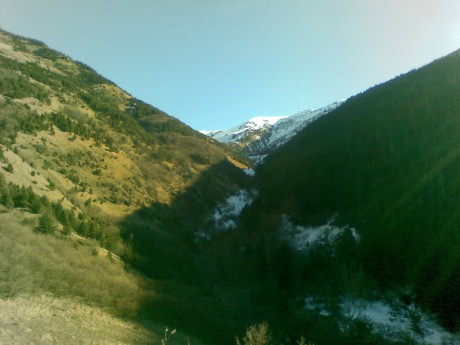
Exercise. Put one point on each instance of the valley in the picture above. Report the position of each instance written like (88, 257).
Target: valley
(332, 226)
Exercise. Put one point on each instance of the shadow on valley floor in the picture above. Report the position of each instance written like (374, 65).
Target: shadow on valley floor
(163, 246)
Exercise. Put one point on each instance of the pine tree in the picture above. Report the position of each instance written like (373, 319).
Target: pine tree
(46, 223)
(8, 200)
(36, 204)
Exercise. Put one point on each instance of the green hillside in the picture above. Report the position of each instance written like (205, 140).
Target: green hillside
(387, 163)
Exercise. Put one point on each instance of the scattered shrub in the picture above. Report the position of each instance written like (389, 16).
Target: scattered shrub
(256, 335)
(9, 168)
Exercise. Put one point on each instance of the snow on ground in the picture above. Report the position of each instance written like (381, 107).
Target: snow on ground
(286, 128)
(257, 159)
(249, 172)
(226, 214)
(266, 133)
(311, 303)
(210, 133)
(261, 121)
(282, 128)
(394, 321)
(398, 321)
(303, 238)
(237, 133)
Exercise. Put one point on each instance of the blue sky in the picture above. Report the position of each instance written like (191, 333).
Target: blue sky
(214, 64)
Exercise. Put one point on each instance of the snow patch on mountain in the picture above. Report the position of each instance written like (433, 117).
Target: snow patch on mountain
(226, 214)
(238, 133)
(394, 320)
(397, 322)
(261, 135)
(210, 133)
(249, 172)
(312, 303)
(303, 238)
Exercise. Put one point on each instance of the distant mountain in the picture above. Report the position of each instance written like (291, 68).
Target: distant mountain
(260, 135)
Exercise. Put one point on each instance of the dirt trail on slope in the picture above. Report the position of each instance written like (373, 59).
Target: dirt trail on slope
(45, 320)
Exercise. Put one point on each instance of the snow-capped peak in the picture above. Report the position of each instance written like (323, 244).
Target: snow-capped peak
(247, 128)
(261, 121)
(260, 135)
(210, 133)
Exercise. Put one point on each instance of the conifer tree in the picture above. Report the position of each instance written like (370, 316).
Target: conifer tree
(7, 200)
(46, 223)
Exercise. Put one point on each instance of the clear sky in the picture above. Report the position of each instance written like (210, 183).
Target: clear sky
(216, 63)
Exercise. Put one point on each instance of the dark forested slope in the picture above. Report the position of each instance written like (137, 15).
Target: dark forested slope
(387, 162)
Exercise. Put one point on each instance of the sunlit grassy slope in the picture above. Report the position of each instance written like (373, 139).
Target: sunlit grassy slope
(74, 137)
(82, 166)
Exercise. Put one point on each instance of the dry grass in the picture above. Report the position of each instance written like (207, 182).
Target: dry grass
(22, 176)
(41, 108)
(115, 167)
(6, 49)
(47, 320)
(32, 263)
(64, 291)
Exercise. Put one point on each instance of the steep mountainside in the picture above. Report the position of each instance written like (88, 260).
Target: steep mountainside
(386, 163)
(93, 177)
(75, 137)
(259, 136)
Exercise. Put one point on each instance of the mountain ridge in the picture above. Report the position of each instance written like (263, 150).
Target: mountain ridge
(259, 136)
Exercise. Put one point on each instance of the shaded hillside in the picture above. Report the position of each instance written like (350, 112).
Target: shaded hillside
(165, 236)
(187, 285)
(387, 162)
